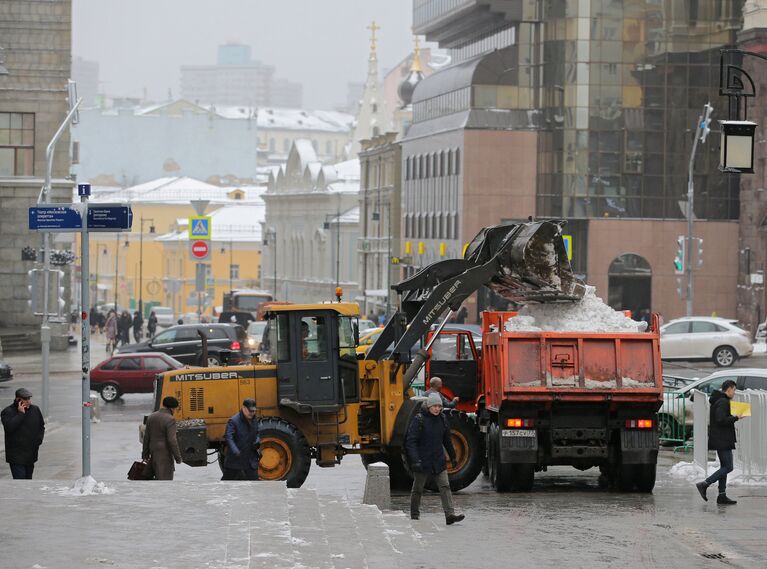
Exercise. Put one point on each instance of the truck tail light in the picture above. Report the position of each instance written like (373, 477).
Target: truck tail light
(639, 423)
(520, 423)
(235, 345)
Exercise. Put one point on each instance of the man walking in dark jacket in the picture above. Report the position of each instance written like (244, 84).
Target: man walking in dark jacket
(243, 443)
(721, 438)
(160, 446)
(24, 430)
(427, 439)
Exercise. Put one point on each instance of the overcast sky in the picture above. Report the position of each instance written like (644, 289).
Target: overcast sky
(321, 43)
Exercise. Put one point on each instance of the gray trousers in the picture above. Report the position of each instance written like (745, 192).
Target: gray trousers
(419, 481)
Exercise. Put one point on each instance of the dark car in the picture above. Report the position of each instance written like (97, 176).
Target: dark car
(227, 344)
(6, 372)
(130, 373)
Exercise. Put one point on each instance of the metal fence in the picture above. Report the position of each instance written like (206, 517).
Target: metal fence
(673, 418)
(751, 455)
(751, 452)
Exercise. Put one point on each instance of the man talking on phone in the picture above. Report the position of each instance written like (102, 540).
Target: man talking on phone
(24, 430)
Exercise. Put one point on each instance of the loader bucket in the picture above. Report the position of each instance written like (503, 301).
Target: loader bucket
(532, 262)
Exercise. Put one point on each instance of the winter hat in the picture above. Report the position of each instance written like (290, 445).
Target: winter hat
(23, 393)
(433, 399)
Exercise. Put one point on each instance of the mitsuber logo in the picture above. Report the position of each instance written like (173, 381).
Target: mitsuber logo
(205, 375)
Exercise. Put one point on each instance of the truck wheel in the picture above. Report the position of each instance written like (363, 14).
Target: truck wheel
(500, 474)
(469, 450)
(625, 478)
(522, 477)
(399, 476)
(284, 452)
(644, 476)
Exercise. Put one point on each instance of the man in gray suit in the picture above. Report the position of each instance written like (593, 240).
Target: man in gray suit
(160, 444)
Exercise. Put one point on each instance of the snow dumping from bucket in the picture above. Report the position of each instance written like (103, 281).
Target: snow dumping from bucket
(590, 314)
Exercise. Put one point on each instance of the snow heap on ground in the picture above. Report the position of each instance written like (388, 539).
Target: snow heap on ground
(590, 314)
(691, 472)
(86, 486)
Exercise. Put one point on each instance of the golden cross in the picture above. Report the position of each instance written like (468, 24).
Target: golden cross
(373, 27)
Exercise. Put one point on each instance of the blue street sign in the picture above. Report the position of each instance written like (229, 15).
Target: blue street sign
(83, 189)
(109, 217)
(62, 218)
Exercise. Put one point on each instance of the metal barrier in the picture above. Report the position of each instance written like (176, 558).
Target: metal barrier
(700, 430)
(751, 454)
(673, 419)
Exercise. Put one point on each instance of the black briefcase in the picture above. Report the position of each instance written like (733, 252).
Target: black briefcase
(137, 470)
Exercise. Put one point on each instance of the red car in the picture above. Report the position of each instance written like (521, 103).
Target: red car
(130, 373)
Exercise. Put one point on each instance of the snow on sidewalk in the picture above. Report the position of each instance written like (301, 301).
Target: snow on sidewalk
(691, 472)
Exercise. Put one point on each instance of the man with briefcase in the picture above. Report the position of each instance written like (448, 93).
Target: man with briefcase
(160, 443)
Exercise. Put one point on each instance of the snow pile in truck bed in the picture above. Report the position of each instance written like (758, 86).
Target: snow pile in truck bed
(590, 314)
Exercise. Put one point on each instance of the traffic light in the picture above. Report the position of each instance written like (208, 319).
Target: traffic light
(699, 252)
(680, 287)
(704, 125)
(679, 260)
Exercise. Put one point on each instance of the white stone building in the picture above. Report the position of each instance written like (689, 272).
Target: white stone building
(311, 228)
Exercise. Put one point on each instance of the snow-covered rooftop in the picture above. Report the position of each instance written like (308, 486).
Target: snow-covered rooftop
(175, 190)
(238, 223)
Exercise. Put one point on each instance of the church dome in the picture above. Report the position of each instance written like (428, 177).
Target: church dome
(406, 88)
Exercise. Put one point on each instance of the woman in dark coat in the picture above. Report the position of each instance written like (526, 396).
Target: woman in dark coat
(721, 438)
(124, 326)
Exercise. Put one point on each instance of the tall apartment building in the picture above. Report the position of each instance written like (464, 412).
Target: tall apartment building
(580, 110)
(237, 79)
(35, 54)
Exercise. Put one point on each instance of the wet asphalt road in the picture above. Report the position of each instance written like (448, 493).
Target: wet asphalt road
(567, 521)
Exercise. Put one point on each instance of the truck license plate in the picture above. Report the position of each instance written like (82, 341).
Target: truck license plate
(518, 432)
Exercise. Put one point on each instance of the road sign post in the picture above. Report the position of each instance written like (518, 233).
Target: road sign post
(84, 191)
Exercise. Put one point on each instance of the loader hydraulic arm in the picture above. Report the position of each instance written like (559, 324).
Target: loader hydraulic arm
(523, 262)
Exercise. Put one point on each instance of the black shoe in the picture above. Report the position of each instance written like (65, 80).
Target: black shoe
(454, 518)
(723, 499)
(702, 487)
(415, 516)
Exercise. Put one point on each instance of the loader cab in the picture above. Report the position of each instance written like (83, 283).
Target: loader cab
(314, 350)
(455, 358)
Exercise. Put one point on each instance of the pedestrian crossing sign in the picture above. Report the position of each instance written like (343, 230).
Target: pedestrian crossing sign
(199, 227)
(568, 239)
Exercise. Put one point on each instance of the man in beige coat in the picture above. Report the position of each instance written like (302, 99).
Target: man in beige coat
(160, 444)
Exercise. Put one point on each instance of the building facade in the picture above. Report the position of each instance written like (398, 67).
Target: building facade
(311, 228)
(35, 56)
(579, 110)
(380, 222)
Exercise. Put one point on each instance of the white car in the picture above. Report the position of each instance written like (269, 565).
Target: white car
(703, 338)
(366, 325)
(165, 317)
(676, 412)
(256, 334)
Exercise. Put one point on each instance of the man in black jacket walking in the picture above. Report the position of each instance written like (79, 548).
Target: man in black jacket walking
(721, 438)
(427, 439)
(243, 444)
(24, 430)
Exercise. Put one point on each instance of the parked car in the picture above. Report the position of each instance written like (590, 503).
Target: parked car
(226, 343)
(676, 382)
(6, 371)
(676, 412)
(256, 334)
(130, 373)
(703, 338)
(165, 316)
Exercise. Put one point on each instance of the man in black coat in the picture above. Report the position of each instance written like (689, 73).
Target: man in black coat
(24, 430)
(243, 443)
(721, 438)
(428, 436)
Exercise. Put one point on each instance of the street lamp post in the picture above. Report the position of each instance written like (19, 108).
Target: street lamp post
(141, 263)
(231, 263)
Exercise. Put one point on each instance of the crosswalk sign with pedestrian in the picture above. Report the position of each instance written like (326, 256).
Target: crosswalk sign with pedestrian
(199, 227)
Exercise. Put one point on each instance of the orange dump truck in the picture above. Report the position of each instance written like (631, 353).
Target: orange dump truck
(559, 398)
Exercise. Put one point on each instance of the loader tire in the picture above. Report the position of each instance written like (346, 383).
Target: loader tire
(399, 476)
(284, 452)
(469, 450)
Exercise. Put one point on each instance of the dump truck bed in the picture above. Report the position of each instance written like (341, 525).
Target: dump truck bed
(569, 366)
